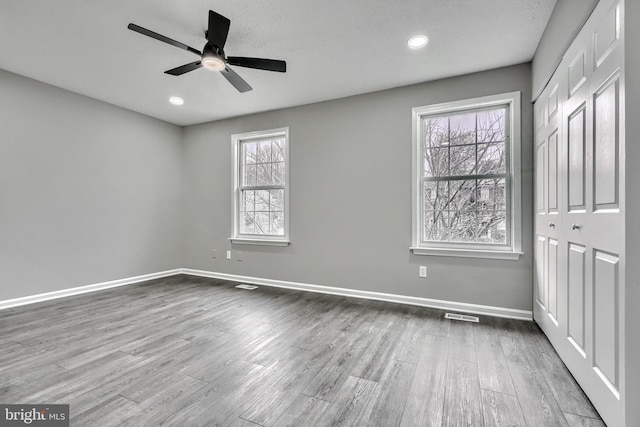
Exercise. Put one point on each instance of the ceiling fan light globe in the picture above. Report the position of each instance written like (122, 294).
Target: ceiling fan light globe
(213, 62)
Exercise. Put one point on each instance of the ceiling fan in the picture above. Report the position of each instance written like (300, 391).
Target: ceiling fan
(212, 56)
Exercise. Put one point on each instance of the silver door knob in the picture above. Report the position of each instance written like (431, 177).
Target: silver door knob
(575, 226)
(552, 225)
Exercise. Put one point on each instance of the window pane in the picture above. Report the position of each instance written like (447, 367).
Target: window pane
(276, 200)
(247, 223)
(278, 170)
(492, 227)
(249, 152)
(262, 200)
(262, 223)
(277, 223)
(248, 200)
(491, 158)
(462, 160)
(463, 226)
(264, 174)
(264, 152)
(491, 194)
(462, 128)
(249, 175)
(462, 195)
(436, 225)
(277, 150)
(436, 132)
(436, 162)
(436, 195)
(491, 125)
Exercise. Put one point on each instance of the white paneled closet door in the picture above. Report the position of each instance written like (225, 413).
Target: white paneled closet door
(579, 178)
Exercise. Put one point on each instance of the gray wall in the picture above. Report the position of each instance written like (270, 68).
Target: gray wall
(632, 199)
(351, 197)
(88, 192)
(565, 23)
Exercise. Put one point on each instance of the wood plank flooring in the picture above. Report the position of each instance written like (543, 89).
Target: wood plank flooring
(188, 351)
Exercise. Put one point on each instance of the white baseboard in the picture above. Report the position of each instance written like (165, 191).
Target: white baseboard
(32, 299)
(379, 296)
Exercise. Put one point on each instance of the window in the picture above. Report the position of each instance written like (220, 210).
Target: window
(466, 178)
(261, 187)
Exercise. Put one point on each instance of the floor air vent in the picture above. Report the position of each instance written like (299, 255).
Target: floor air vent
(462, 317)
(248, 287)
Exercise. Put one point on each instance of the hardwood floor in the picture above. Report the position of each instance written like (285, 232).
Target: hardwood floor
(187, 351)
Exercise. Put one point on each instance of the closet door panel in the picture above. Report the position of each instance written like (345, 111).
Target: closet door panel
(576, 298)
(606, 360)
(605, 147)
(576, 160)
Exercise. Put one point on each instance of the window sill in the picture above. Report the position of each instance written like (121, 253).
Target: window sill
(468, 253)
(259, 242)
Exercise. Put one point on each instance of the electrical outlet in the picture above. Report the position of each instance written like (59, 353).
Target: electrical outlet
(228, 254)
(422, 271)
(214, 253)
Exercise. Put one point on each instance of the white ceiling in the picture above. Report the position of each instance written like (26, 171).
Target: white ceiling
(333, 48)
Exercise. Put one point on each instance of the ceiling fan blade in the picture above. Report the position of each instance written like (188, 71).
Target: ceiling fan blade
(218, 29)
(184, 68)
(258, 63)
(237, 81)
(154, 35)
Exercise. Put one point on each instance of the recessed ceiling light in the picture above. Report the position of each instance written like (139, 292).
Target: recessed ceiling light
(176, 100)
(417, 42)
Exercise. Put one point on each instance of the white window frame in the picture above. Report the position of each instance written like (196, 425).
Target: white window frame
(514, 172)
(254, 239)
